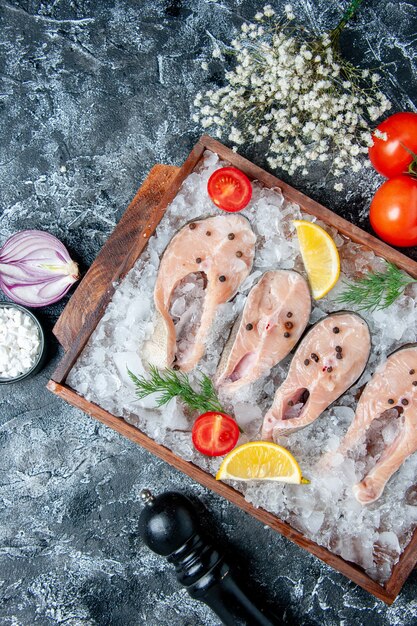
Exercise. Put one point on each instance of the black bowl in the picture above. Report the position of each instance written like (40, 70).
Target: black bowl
(37, 366)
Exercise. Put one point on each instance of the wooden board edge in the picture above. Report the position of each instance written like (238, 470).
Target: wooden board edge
(404, 567)
(350, 570)
(92, 290)
(142, 236)
(86, 321)
(166, 198)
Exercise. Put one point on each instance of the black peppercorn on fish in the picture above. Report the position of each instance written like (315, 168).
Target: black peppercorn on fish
(276, 313)
(202, 247)
(392, 388)
(330, 358)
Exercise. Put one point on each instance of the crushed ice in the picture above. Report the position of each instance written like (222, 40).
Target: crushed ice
(326, 510)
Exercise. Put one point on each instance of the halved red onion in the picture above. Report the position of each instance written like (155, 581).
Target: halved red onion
(35, 268)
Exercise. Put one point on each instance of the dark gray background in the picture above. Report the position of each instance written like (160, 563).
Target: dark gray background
(92, 94)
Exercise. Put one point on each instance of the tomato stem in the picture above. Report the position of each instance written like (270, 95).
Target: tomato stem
(412, 167)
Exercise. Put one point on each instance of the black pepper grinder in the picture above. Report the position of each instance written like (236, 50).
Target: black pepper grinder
(169, 526)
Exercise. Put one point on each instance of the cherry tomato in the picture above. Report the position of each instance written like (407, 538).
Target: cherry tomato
(215, 434)
(390, 158)
(230, 189)
(393, 211)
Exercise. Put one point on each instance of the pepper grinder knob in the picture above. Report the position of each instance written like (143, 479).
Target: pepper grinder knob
(169, 526)
(167, 521)
(146, 496)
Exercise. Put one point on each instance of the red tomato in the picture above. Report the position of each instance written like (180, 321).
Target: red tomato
(393, 211)
(390, 158)
(215, 434)
(230, 189)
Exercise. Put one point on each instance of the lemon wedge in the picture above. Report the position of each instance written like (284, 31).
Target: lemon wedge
(320, 257)
(260, 460)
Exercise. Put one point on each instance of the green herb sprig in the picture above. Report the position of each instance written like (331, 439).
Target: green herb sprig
(377, 290)
(170, 384)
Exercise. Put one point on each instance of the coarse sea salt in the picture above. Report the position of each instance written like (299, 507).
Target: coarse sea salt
(326, 510)
(19, 342)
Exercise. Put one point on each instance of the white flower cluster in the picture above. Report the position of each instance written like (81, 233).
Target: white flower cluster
(297, 94)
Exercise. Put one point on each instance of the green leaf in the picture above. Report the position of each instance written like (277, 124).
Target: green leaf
(170, 384)
(377, 290)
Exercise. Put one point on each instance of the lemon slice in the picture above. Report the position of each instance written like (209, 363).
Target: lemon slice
(260, 460)
(320, 257)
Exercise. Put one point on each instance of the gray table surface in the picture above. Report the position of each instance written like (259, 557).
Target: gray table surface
(93, 93)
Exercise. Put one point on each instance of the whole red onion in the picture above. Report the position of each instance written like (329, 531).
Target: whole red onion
(35, 268)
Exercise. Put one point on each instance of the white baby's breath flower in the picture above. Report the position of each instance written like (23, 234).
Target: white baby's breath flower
(338, 186)
(380, 135)
(374, 113)
(204, 65)
(268, 10)
(288, 8)
(294, 95)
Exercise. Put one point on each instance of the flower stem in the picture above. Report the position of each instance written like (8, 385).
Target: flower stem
(335, 32)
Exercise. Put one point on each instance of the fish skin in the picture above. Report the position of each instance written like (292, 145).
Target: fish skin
(392, 380)
(249, 354)
(218, 254)
(324, 387)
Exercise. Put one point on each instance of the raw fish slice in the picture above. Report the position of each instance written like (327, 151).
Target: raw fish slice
(317, 375)
(221, 249)
(275, 315)
(394, 385)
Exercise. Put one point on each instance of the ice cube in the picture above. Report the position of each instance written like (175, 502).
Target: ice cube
(269, 388)
(137, 310)
(125, 361)
(294, 411)
(343, 414)
(314, 522)
(173, 415)
(178, 307)
(106, 384)
(188, 287)
(250, 281)
(390, 431)
(245, 413)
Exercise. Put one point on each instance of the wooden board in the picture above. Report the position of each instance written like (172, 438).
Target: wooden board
(119, 254)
